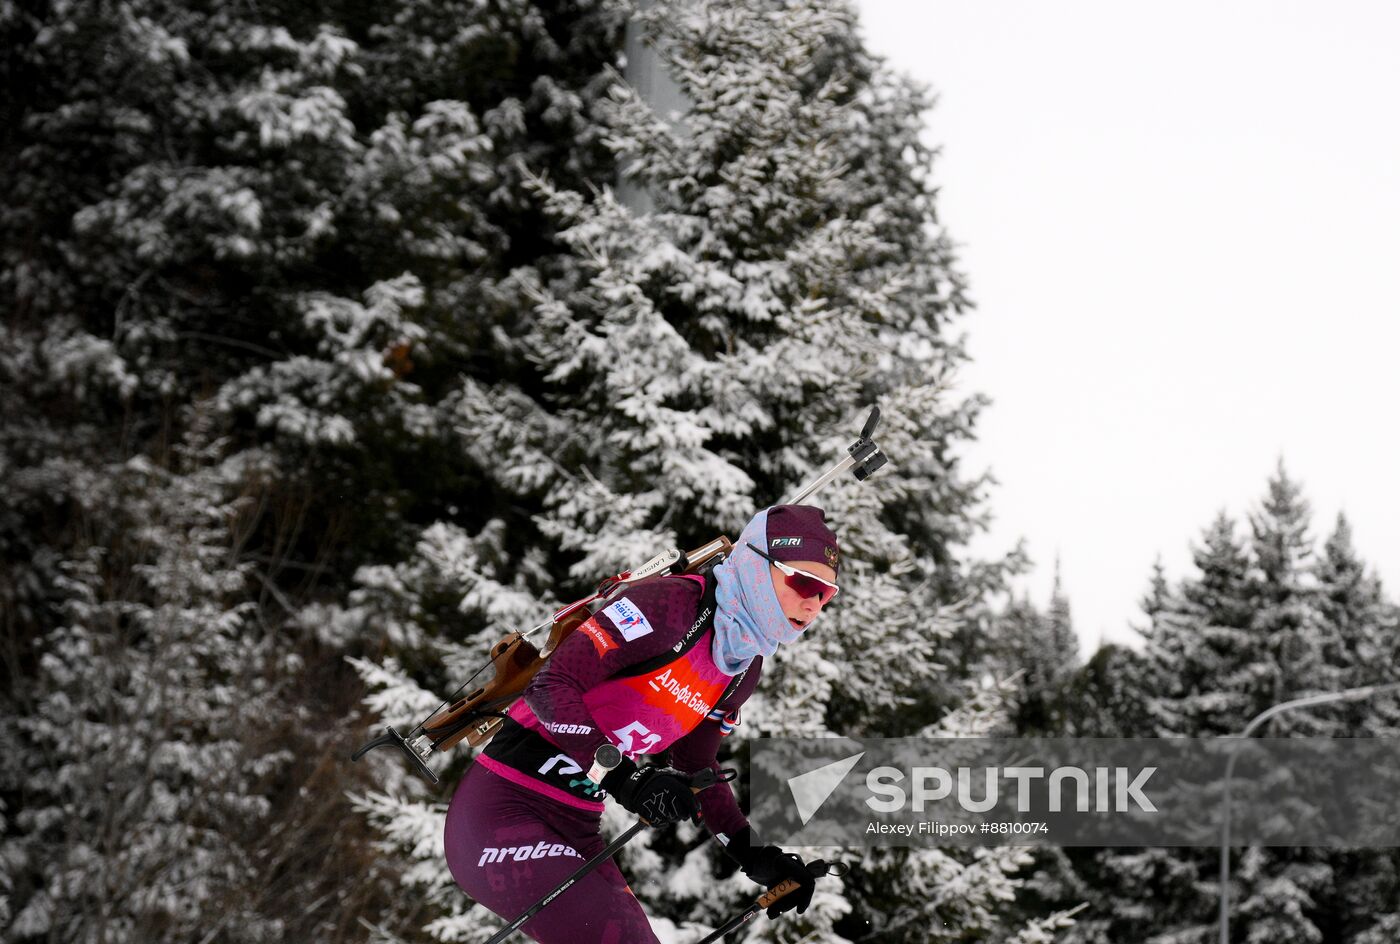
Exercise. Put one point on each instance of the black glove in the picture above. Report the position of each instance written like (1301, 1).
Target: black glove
(656, 794)
(769, 866)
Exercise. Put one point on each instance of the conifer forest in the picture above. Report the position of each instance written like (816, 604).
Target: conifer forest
(340, 339)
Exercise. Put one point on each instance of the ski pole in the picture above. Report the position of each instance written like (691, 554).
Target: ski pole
(700, 781)
(864, 458)
(766, 900)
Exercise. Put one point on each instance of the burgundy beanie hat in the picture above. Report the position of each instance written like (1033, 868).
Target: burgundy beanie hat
(799, 533)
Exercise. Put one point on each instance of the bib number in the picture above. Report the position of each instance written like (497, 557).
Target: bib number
(635, 739)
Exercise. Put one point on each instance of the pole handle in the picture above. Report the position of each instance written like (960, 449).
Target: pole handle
(784, 887)
(819, 868)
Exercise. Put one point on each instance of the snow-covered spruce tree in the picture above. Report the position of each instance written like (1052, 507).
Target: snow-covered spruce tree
(1203, 662)
(1204, 670)
(1040, 651)
(309, 213)
(297, 223)
(1363, 638)
(1289, 618)
(1057, 697)
(699, 359)
(1222, 646)
(142, 793)
(1107, 696)
(1361, 649)
(1196, 635)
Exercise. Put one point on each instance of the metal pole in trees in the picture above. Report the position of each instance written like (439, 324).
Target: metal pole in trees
(1349, 694)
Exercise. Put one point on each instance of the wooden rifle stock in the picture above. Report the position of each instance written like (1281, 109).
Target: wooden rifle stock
(478, 715)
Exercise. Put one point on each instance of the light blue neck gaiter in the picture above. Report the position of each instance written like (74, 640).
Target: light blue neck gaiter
(749, 621)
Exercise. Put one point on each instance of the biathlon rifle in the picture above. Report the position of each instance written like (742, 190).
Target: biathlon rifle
(477, 715)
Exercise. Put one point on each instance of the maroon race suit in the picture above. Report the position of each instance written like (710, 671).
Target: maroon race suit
(639, 673)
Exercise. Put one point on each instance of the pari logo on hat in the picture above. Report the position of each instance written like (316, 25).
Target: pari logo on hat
(800, 533)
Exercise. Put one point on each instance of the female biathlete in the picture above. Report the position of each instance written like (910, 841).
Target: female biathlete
(663, 668)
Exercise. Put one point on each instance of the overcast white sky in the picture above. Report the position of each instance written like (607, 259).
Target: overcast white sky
(1182, 229)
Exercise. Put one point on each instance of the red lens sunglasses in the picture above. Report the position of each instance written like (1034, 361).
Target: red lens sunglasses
(800, 582)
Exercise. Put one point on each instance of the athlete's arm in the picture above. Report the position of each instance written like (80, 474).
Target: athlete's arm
(700, 748)
(594, 652)
(555, 694)
(718, 806)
